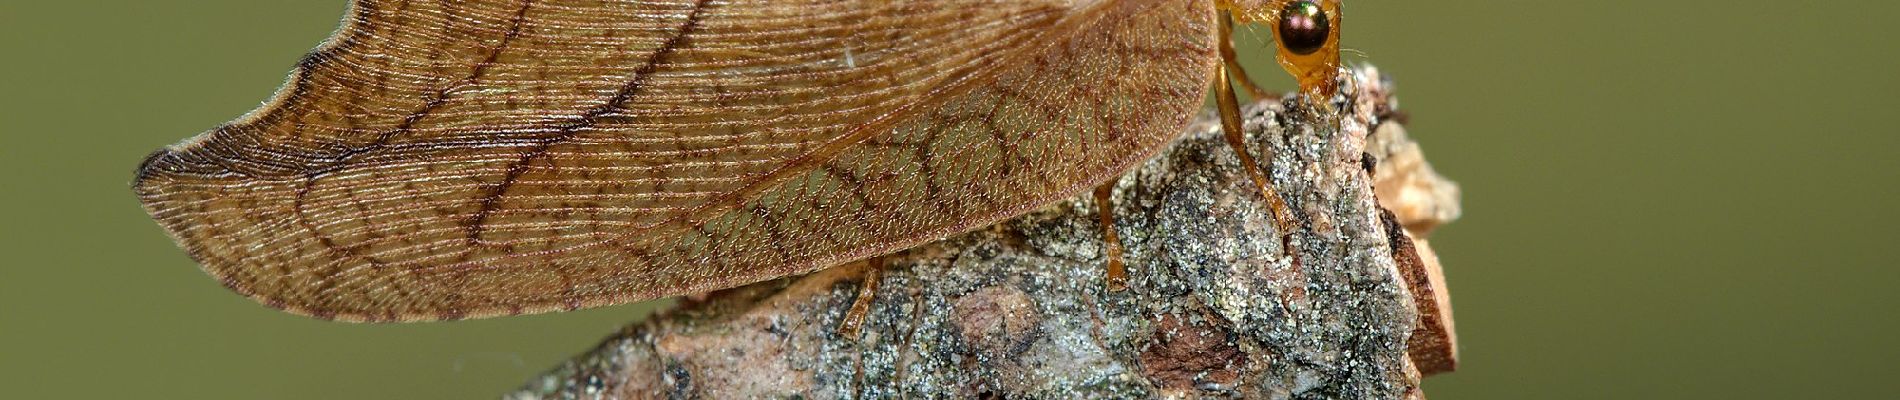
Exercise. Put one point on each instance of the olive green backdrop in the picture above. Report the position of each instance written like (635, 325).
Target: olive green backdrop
(1687, 199)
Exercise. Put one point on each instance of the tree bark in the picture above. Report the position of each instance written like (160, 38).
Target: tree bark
(1216, 304)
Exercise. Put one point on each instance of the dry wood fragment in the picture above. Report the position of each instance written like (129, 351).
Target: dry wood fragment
(1019, 310)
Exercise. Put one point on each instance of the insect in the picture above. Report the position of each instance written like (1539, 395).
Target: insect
(449, 160)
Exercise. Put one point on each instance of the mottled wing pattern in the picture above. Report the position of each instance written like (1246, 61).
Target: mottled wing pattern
(454, 159)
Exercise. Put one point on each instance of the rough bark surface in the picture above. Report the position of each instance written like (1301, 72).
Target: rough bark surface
(1216, 305)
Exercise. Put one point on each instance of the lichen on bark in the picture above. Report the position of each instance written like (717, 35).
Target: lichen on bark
(1216, 306)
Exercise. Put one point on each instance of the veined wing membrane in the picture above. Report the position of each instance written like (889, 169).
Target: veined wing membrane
(442, 160)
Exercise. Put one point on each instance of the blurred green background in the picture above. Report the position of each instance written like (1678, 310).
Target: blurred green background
(1687, 199)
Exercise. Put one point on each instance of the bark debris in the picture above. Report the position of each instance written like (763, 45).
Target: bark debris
(1215, 307)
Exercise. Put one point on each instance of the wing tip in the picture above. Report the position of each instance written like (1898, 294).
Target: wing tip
(149, 180)
(148, 167)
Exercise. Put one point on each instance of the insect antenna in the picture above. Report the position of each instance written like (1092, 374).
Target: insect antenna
(1361, 54)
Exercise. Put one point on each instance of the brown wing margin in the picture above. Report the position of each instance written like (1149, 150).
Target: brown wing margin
(724, 168)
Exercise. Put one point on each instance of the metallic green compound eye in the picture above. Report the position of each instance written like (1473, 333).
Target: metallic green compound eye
(1304, 27)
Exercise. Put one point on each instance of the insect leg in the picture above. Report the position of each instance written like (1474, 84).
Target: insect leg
(1230, 126)
(1112, 243)
(1232, 61)
(867, 292)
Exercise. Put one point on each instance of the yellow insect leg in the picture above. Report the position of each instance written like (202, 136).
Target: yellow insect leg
(1230, 126)
(867, 292)
(1232, 61)
(1117, 273)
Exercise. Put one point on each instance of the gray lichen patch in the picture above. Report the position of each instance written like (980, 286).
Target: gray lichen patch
(1219, 303)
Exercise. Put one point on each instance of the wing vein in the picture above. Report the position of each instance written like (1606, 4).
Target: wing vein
(492, 199)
